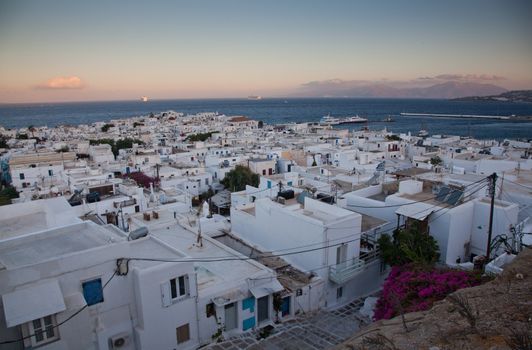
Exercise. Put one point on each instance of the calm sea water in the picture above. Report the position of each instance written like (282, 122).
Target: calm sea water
(292, 110)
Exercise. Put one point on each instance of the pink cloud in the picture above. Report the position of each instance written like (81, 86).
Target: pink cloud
(62, 83)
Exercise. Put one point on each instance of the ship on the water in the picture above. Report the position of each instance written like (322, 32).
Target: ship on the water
(329, 120)
(144, 98)
(353, 120)
(254, 97)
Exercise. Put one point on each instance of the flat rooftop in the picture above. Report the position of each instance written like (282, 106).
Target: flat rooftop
(210, 274)
(290, 277)
(371, 222)
(15, 226)
(36, 248)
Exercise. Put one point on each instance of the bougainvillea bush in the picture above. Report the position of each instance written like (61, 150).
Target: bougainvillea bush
(141, 179)
(411, 288)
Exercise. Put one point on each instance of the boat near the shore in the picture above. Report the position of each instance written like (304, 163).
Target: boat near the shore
(329, 120)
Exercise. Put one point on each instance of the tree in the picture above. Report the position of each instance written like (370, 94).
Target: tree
(7, 194)
(3, 142)
(239, 177)
(393, 137)
(199, 137)
(435, 161)
(118, 145)
(106, 127)
(409, 245)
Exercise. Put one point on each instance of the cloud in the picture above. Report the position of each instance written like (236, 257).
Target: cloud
(62, 83)
(463, 77)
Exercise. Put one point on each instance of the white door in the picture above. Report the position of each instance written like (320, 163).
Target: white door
(230, 316)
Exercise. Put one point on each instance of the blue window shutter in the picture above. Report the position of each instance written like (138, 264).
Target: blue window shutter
(248, 323)
(249, 303)
(93, 292)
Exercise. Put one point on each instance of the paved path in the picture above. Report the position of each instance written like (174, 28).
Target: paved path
(318, 330)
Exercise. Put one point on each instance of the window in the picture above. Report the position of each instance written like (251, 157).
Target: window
(210, 310)
(21, 176)
(264, 172)
(339, 293)
(44, 330)
(93, 291)
(50, 172)
(206, 181)
(182, 333)
(178, 287)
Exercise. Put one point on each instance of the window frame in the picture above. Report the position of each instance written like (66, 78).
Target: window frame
(187, 325)
(43, 330)
(83, 290)
(180, 291)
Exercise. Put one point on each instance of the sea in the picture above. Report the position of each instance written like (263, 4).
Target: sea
(280, 110)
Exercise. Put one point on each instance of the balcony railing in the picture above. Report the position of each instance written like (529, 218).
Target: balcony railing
(346, 271)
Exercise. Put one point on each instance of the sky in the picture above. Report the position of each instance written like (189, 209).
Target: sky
(107, 50)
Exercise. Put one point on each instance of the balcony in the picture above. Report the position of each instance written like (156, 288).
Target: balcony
(346, 271)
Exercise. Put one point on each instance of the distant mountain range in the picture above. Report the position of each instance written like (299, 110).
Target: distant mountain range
(445, 90)
(510, 96)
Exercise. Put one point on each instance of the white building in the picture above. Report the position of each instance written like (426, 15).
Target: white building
(333, 233)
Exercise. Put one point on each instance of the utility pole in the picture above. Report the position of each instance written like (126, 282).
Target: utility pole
(492, 187)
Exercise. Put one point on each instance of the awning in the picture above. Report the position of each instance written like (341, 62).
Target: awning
(228, 298)
(264, 289)
(418, 211)
(33, 302)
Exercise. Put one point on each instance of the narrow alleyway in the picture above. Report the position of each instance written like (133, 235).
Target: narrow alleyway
(318, 330)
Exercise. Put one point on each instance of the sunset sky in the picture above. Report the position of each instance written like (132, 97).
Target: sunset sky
(105, 50)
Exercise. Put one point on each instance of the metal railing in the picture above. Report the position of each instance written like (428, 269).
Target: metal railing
(343, 272)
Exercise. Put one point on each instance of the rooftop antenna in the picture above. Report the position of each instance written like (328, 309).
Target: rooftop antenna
(199, 238)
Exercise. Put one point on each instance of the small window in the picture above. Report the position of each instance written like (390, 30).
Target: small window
(44, 330)
(264, 172)
(210, 310)
(21, 176)
(182, 333)
(93, 291)
(178, 287)
(339, 293)
(206, 181)
(50, 172)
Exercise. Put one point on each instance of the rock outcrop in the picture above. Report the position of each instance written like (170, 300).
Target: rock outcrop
(496, 315)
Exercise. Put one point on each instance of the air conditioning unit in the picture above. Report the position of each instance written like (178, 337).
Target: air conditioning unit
(119, 341)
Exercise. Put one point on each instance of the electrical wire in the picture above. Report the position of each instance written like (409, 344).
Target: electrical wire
(233, 258)
(449, 205)
(518, 184)
(245, 258)
(420, 201)
(387, 231)
(62, 322)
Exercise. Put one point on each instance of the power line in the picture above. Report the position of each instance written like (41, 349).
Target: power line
(235, 258)
(414, 202)
(61, 323)
(449, 205)
(518, 184)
